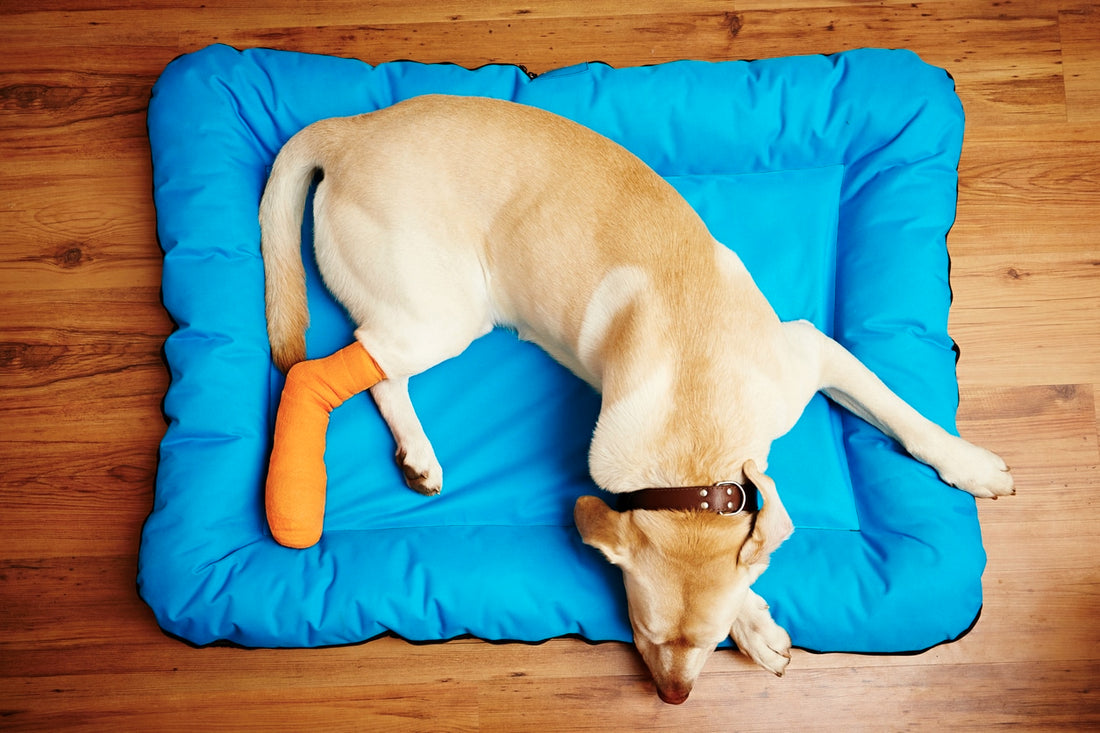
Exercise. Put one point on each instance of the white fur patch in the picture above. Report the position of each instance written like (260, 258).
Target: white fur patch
(622, 443)
(618, 289)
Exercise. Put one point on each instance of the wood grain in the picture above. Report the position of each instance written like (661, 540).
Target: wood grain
(1040, 183)
(82, 377)
(1079, 23)
(1016, 308)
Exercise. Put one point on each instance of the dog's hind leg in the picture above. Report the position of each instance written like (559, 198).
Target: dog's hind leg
(414, 455)
(846, 381)
(404, 345)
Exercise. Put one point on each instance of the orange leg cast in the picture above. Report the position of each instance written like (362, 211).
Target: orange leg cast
(296, 477)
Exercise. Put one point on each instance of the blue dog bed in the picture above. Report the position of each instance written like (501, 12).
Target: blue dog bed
(834, 178)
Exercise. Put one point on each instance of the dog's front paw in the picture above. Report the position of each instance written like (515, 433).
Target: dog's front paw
(976, 471)
(771, 650)
(760, 638)
(423, 477)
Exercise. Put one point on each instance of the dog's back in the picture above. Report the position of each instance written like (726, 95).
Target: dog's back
(473, 199)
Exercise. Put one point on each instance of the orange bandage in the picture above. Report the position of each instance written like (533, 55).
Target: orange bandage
(296, 477)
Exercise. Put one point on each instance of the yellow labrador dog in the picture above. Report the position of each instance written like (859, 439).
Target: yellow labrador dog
(442, 217)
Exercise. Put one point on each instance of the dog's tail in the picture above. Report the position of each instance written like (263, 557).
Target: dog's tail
(281, 211)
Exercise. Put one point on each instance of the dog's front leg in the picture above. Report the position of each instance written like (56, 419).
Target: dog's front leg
(414, 455)
(852, 385)
(759, 637)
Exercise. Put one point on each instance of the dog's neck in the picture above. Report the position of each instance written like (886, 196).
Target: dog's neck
(684, 402)
(671, 418)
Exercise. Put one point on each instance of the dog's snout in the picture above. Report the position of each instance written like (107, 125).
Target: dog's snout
(675, 695)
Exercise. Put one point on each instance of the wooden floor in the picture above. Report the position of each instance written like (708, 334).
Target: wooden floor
(82, 376)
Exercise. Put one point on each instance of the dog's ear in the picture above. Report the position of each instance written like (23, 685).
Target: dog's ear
(773, 524)
(602, 527)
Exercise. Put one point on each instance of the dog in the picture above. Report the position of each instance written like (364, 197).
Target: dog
(440, 218)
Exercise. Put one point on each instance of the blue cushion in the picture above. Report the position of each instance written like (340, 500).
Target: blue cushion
(834, 178)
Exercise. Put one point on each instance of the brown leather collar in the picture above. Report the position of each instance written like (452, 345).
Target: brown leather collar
(724, 497)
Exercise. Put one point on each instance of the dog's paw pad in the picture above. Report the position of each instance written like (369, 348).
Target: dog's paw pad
(423, 483)
(426, 481)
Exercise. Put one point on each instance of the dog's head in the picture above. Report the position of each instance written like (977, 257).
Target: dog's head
(687, 575)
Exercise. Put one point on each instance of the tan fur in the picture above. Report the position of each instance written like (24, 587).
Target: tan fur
(441, 217)
(281, 221)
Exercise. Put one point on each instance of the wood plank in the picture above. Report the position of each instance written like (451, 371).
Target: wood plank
(117, 133)
(1047, 435)
(978, 696)
(1020, 605)
(1079, 24)
(93, 495)
(540, 44)
(169, 703)
(97, 409)
(55, 97)
(49, 338)
(1023, 82)
(971, 696)
(53, 261)
(59, 235)
(89, 15)
(131, 643)
(1049, 189)
(1027, 319)
(525, 690)
(1025, 134)
(956, 35)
